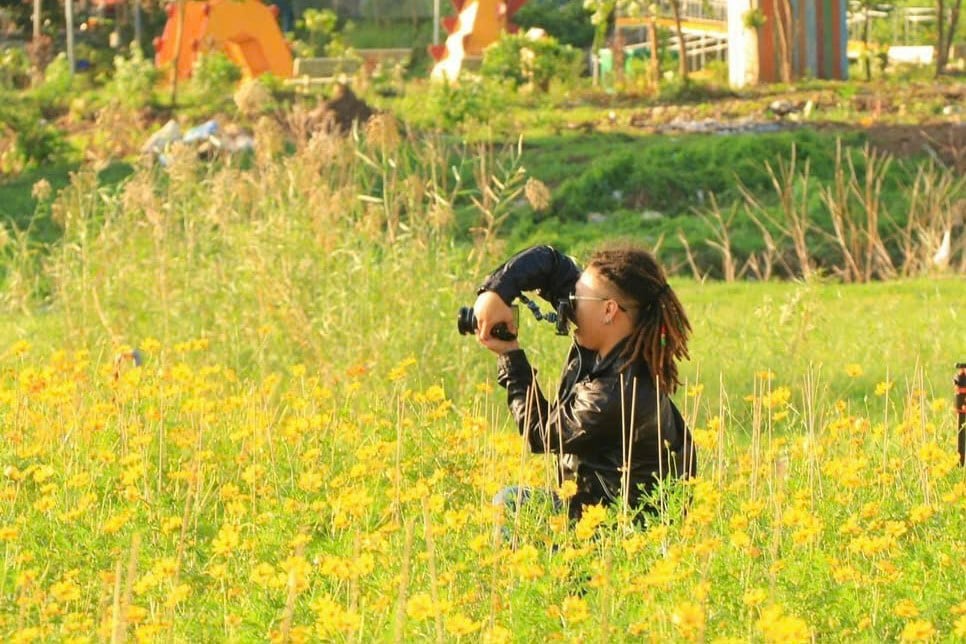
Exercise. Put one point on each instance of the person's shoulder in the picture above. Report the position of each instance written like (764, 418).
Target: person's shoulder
(639, 373)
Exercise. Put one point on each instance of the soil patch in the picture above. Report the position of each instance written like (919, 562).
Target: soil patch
(945, 141)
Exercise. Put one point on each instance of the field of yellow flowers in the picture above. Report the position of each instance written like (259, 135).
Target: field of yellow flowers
(234, 407)
(177, 501)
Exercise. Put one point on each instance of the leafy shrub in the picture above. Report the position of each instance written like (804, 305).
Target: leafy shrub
(473, 98)
(35, 141)
(214, 75)
(673, 176)
(566, 20)
(134, 78)
(537, 62)
(55, 91)
(14, 68)
(317, 34)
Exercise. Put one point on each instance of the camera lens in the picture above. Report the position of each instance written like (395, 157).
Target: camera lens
(466, 321)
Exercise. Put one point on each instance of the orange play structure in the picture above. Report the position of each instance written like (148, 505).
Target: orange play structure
(246, 31)
(477, 24)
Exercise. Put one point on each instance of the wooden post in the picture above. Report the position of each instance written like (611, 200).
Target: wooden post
(137, 22)
(655, 53)
(178, 41)
(36, 20)
(69, 26)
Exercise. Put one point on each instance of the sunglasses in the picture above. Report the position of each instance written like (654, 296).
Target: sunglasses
(573, 297)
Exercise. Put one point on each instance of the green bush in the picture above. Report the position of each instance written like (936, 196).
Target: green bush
(675, 175)
(14, 68)
(566, 20)
(522, 61)
(35, 140)
(472, 99)
(214, 75)
(55, 91)
(317, 33)
(134, 78)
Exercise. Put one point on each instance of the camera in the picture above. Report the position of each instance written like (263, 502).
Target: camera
(466, 324)
(561, 319)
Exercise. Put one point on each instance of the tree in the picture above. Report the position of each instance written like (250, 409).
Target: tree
(784, 31)
(945, 33)
(566, 20)
(682, 47)
(604, 10)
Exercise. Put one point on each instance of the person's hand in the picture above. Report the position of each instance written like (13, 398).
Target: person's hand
(490, 310)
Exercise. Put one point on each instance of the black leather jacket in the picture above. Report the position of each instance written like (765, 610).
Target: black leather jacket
(602, 412)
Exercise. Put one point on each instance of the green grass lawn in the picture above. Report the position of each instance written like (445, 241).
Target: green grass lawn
(18, 205)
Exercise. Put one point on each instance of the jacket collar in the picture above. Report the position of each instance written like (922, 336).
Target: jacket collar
(613, 360)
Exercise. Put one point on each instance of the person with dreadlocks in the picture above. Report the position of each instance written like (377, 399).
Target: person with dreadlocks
(614, 428)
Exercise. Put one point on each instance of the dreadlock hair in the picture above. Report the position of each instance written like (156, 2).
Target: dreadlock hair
(661, 328)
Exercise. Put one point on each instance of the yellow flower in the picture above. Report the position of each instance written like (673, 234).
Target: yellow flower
(177, 595)
(905, 608)
(883, 388)
(919, 630)
(777, 397)
(776, 626)
(170, 524)
(920, 513)
(592, 517)
(689, 620)
(227, 540)
(460, 625)
(574, 609)
(567, 490)
(705, 438)
(497, 635)
(434, 394)
(639, 628)
(332, 618)
(959, 627)
(853, 370)
(399, 371)
(420, 607)
(265, 576)
(65, 591)
(19, 348)
(755, 596)
(297, 569)
(523, 562)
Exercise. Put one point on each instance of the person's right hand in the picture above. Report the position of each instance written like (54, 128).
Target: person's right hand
(490, 310)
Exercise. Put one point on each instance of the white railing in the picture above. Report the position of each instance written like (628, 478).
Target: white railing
(696, 9)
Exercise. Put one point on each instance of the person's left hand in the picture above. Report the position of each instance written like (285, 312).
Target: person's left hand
(498, 347)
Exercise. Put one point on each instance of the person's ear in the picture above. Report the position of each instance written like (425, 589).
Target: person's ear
(609, 312)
